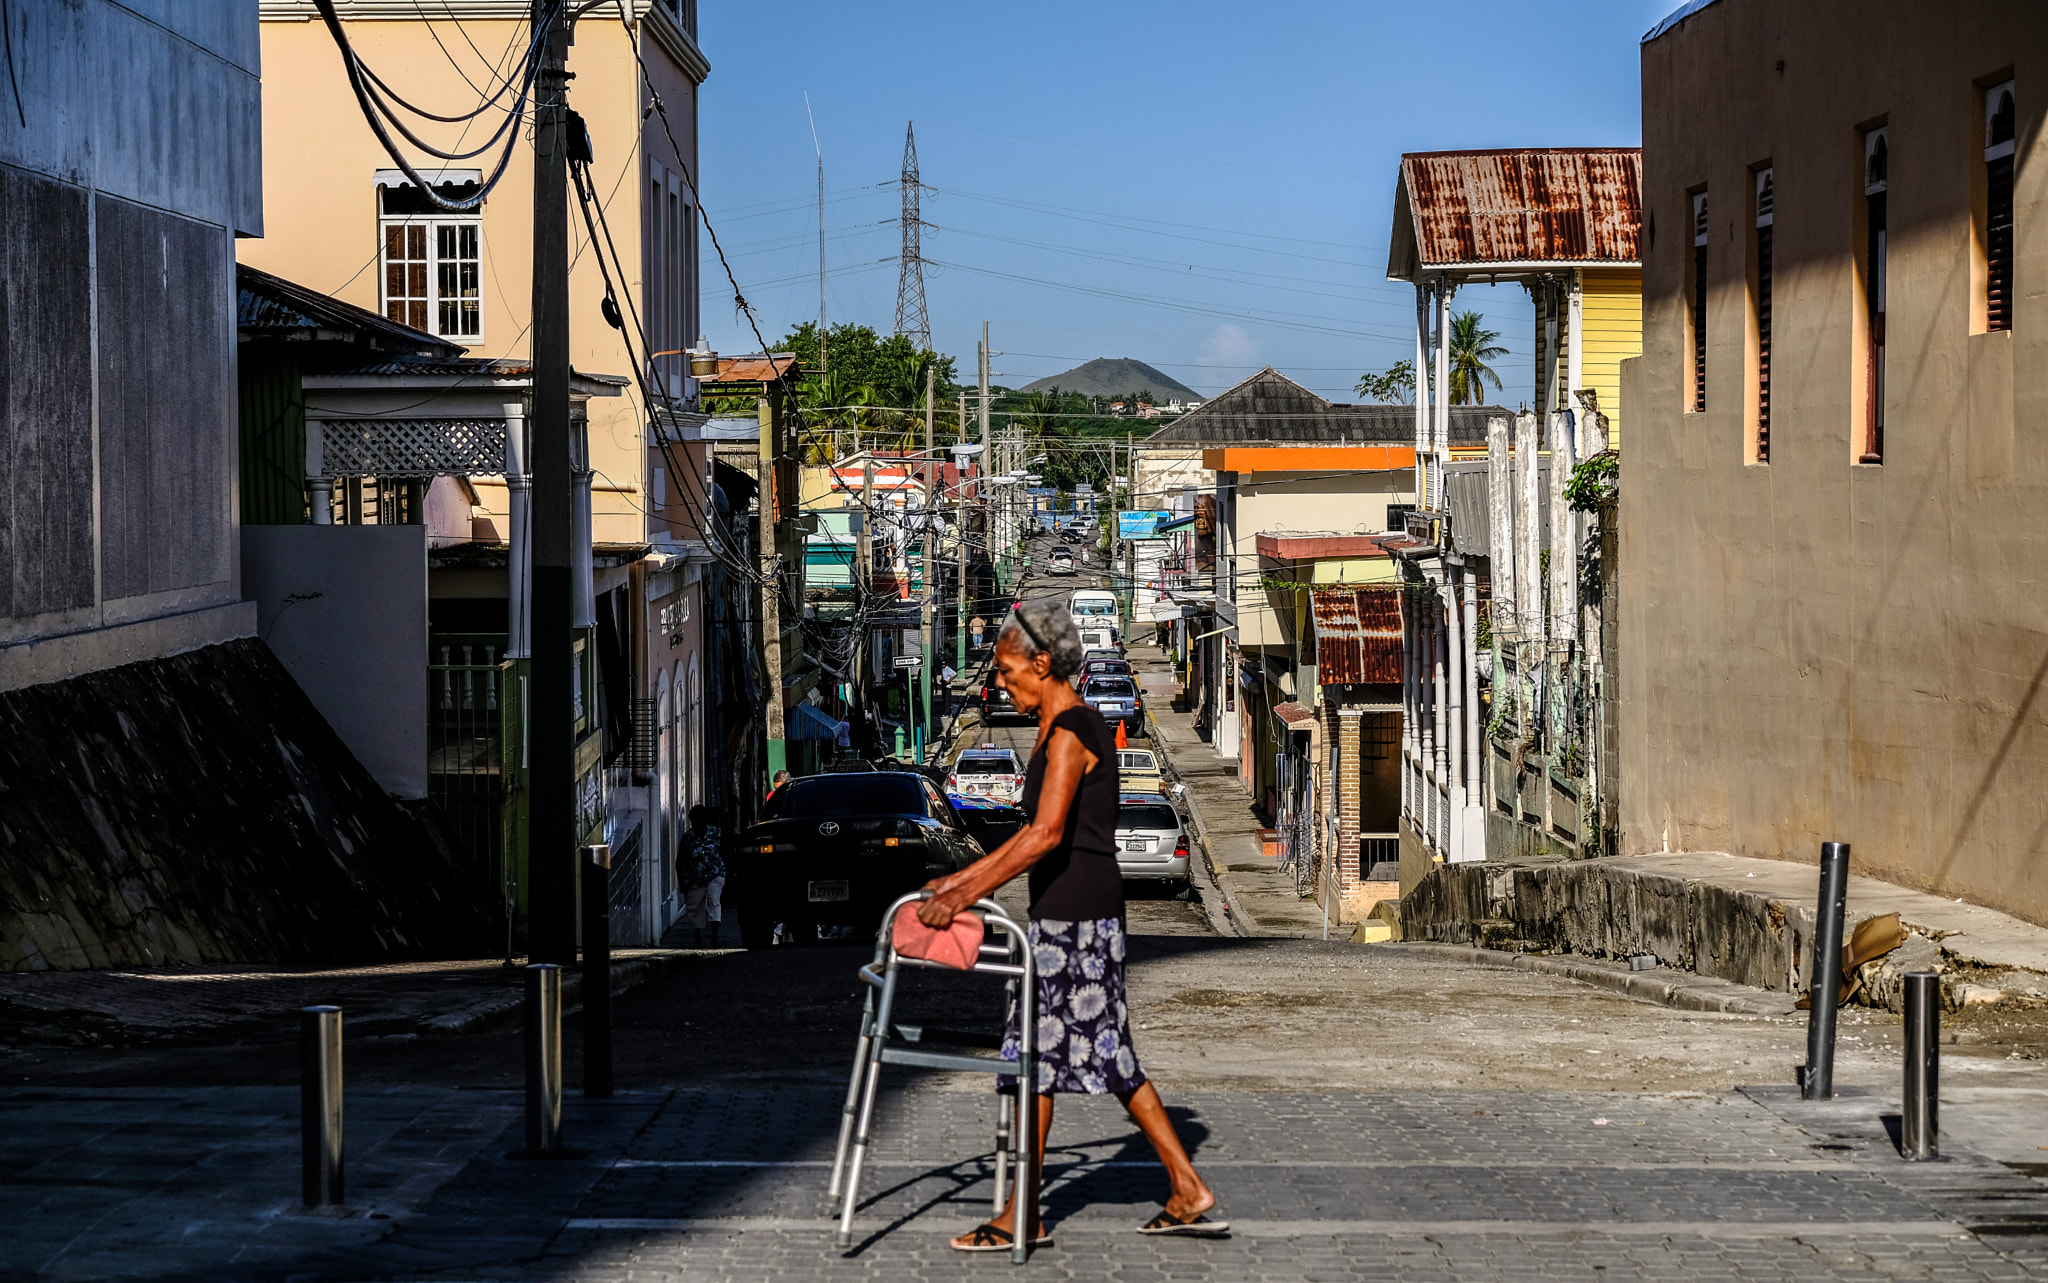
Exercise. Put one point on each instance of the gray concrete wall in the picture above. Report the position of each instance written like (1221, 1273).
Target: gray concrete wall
(119, 204)
(345, 609)
(1815, 648)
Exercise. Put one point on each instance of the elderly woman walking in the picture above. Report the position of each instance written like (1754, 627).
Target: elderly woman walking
(1077, 919)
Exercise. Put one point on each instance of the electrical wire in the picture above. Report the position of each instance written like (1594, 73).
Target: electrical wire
(374, 115)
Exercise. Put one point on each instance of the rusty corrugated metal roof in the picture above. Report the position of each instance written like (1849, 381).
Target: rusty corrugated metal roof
(1518, 207)
(1358, 635)
(755, 368)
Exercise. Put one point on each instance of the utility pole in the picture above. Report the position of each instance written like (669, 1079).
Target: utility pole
(866, 577)
(769, 534)
(1130, 557)
(929, 598)
(960, 549)
(551, 727)
(988, 458)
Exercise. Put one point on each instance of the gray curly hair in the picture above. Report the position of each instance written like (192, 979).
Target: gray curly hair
(1044, 626)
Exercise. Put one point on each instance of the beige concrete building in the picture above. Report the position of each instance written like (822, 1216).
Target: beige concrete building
(341, 219)
(1832, 540)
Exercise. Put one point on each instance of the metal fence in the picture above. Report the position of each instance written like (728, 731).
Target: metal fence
(465, 746)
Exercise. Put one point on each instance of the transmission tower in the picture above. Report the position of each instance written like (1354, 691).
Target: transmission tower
(912, 322)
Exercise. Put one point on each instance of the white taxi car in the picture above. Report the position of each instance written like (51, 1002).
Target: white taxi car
(987, 771)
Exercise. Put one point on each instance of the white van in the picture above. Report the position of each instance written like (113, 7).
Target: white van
(1091, 606)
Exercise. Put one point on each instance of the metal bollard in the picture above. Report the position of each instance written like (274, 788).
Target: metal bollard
(1817, 1081)
(320, 1106)
(597, 971)
(543, 1059)
(1920, 1121)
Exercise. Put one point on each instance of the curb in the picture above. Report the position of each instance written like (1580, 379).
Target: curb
(500, 1012)
(1239, 918)
(1694, 993)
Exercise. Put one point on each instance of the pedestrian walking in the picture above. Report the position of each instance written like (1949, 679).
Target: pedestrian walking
(701, 870)
(1077, 923)
(976, 625)
(781, 778)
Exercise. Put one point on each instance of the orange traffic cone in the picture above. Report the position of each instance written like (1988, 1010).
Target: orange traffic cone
(1122, 740)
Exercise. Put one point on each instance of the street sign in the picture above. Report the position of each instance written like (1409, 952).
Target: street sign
(910, 661)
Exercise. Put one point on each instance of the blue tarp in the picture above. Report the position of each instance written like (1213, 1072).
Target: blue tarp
(807, 723)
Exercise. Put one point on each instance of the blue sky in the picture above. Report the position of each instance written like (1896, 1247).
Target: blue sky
(1206, 187)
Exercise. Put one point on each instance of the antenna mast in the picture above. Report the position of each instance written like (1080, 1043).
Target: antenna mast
(823, 355)
(912, 321)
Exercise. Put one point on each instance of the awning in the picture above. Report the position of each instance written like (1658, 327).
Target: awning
(1294, 715)
(1358, 635)
(807, 723)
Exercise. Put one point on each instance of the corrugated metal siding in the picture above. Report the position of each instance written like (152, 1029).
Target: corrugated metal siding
(272, 414)
(1465, 494)
(1573, 205)
(1358, 635)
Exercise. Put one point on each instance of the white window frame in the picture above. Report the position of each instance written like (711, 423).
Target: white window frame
(432, 228)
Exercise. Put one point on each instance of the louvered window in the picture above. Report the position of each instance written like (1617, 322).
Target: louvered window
(1998, 159)
(1765, 198)
(1699, 302)
(1876, 186)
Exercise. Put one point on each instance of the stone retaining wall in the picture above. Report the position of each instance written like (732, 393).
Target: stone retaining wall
(1611, 909)
(198, 809)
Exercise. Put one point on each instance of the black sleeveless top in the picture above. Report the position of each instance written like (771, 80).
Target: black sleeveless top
(1078, 880)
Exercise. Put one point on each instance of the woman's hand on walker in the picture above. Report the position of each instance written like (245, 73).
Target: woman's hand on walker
(947, 901)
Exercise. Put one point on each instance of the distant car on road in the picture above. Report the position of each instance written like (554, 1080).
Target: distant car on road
(987, 771)
(1116, 698)
(1108, 667)
(1138, 771)
(1151, 841)
(1062, 562)
(835, 850)
(991, 822)
(995, 701)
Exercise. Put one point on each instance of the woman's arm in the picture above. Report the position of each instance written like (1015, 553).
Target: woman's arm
(1066, 761)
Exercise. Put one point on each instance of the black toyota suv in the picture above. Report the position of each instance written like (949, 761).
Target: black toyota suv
(834, 850)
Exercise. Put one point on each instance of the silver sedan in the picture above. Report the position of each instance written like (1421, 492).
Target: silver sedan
(1151, 842)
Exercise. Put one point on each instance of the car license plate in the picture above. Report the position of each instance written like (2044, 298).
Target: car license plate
(1137, 844)
(829, 891)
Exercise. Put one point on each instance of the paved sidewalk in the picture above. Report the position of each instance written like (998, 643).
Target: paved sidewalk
(1260, 897)
(175, 1006)
(727, 1183)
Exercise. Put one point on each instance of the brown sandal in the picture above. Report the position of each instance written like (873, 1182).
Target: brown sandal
(1197, 1226)
(990, 1237)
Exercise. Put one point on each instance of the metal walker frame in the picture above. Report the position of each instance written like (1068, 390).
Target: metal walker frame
(1016, 1121)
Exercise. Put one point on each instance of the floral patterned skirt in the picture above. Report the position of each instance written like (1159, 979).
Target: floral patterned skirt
(1084, 1026)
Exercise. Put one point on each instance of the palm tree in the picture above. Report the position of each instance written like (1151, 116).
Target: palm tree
(1471, 349)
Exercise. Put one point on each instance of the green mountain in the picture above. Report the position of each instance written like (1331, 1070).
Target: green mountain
(1116, 376)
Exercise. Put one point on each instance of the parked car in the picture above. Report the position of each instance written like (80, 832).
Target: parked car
(1100, 638)
(1116, 698)
(1138, 771)
(987, 771)
(835, 850)
(1062, 562)
(989, 821)
(1151, 841)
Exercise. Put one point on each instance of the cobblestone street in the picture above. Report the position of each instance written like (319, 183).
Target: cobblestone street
(1360, 1113)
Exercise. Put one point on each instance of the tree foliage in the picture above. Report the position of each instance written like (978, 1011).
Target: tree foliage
(1472, 346)
(1396, 386)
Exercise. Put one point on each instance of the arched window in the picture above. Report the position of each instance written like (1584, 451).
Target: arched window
(694, 733)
